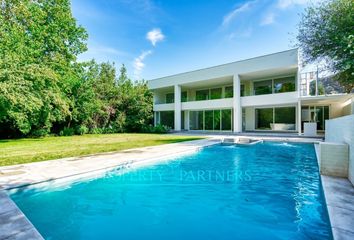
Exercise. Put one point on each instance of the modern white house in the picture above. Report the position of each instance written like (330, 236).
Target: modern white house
(266, 93)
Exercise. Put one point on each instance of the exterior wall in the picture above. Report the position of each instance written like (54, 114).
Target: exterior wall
(283, 60)
(341, 130)
(348, 107)
(164, 107)
(270, 99)
(335, 110)
(208, 104)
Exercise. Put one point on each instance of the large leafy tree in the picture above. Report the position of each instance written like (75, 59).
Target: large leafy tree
(326, 33)
(39, 42)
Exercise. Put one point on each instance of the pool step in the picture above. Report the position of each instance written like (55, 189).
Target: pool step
(240, 141)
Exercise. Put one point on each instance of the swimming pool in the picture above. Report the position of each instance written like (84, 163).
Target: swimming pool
(270, 190)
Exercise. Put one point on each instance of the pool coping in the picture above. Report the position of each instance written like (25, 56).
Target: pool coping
(339, 199)
(14, 223)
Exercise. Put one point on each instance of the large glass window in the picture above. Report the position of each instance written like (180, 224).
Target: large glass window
(277, 119)
(226, 119)
(317, 114)
(170, 98)
(215, 93)
(167, 118)
(262, 87)
(242, 90)
(217, 120)
(208, 120)
(184, 97)
(284, 119)
(229, 92)
(286, 84)
(196, 120)
(264, 117)
(285, 115)
(202, 95)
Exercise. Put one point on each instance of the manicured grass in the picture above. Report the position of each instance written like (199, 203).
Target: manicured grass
(33, 150)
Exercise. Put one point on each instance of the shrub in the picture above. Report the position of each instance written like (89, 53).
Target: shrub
(156, 129)
(67, 132)
(81, 130)
(39, 133)
(96, 131)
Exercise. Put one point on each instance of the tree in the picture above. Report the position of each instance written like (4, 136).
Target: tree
(39, 42)
(326, 33)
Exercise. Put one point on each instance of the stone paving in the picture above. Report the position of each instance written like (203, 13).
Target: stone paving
(339, 194)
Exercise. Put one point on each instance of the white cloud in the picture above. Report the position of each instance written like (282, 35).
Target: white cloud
(139, 63)
(154, 36)
(283, 4)
(231, 15)
(268, 19)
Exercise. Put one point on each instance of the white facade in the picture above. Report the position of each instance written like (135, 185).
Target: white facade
(264, 93)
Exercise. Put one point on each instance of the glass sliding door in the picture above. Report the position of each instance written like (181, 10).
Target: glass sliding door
(196, 120)
(217, 120)
(317, 114)
(167, 118)
(211, 120)
(276, 119)
(284, 119)
(264, 117)
(208, 120)
(226, 120)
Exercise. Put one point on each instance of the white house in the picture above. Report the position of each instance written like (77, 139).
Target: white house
(266, 93)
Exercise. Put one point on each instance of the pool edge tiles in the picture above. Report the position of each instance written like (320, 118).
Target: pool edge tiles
(339, 199)
(13, 223)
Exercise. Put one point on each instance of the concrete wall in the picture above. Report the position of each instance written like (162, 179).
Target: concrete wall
(341, 130)
(277, 61)
(270, 99)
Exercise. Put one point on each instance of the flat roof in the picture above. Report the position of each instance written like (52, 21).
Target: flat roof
(243, 60)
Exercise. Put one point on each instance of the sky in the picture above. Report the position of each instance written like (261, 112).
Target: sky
(156, 38)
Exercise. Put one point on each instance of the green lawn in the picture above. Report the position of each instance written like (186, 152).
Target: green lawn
(33, 150)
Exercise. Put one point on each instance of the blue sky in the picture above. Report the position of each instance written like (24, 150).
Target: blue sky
(155, 38)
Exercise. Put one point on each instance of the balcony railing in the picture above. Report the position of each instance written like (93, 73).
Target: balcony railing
(312, 84)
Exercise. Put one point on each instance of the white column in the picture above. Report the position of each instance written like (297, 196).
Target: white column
(177, 108)
(237, 118)
(299, 117)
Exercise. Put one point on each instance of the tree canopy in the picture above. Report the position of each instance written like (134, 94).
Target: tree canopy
(43, 89)
(326, 33)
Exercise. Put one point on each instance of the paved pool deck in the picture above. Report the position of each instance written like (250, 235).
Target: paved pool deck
(339, 193)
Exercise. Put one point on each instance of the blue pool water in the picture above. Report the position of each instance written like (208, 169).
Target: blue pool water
(265, 191)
